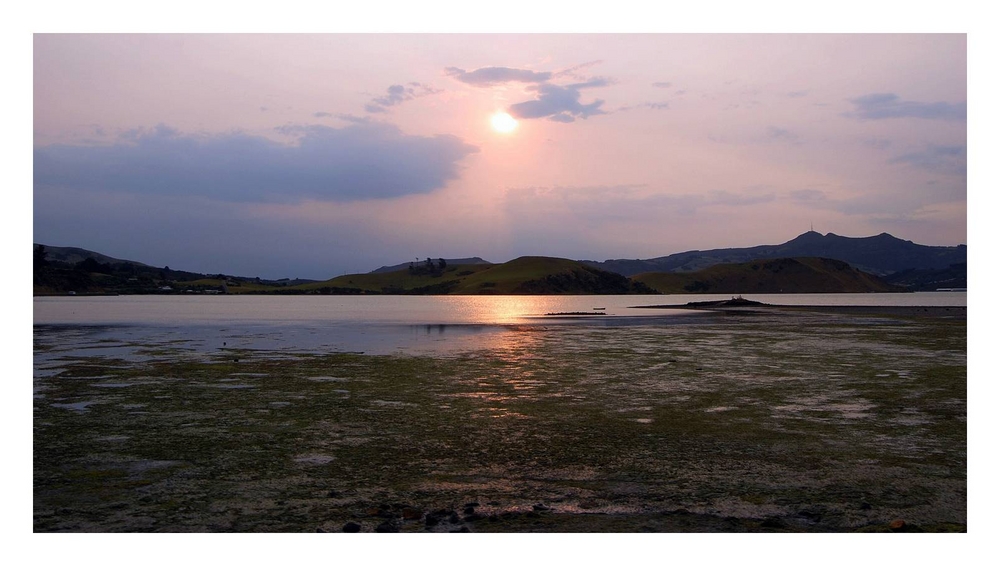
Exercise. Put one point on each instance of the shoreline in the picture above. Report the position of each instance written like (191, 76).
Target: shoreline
(876, 310)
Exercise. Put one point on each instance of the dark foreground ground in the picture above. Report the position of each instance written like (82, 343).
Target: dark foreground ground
(790, 420)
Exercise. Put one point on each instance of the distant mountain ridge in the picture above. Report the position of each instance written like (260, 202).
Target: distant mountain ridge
(779, 275)
(880, 255)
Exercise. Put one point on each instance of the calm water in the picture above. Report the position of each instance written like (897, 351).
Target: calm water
(826, 421)
(410, 310)
(130, 325)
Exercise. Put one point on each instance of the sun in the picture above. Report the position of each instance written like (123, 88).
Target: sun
(503, 122)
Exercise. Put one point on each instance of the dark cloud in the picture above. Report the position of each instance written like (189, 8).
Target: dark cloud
(881, 106)
(397, 94)
(489, 76)
(949, 160)
(359, 162)
(559, 103)
(322, 115)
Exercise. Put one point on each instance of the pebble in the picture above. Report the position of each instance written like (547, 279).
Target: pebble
(387, 527)
(352, 528)
(897, 524)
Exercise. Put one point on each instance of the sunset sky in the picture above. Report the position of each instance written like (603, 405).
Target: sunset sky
(315, 155)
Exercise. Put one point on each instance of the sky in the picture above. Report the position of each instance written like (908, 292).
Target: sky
(300, 155)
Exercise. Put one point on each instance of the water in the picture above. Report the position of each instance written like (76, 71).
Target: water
(412, 310)
(135, 326)
(226, 413)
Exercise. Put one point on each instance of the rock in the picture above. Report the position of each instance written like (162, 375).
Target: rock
(462, 530)
(773, 523)
(453, 518)
(387, 527)
(352, 528)
(320, 530)
(333, 493)
(865, 506)
(412, 514)
(541, 507)
(897, 525)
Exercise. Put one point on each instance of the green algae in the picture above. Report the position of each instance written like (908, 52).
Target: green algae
(830, 423)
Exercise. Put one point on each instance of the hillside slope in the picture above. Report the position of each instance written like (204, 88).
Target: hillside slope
(881, 255)
(521, 276)
(784, 275)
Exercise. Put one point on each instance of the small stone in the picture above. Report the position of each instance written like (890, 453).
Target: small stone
(898, 524)
(541, 507)
(865, 506)
(412, 514)
(773, 523)
(387, 527)
(333, 493)
(320, 530)
(352, 528)
(453, 518)
(462, 530)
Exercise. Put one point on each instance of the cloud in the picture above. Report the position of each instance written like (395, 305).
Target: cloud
(362, 161)
(948, 160)
(489, 76)
(797, 94)
(646, 105)
(881, 106)
(559, 103)
(572, 71)
(663, 85)
(397, 94)
(783, 135)
(322, 114)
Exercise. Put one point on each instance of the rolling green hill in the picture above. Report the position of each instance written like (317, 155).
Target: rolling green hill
(785, 275)
(522, 276)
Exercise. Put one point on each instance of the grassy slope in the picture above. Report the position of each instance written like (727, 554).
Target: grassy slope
(396, 280)
(524, 275)
(508, 278)
(789, 275)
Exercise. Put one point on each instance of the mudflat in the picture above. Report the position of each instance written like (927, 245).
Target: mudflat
(792, 419)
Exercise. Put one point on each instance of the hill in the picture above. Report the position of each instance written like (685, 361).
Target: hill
(451, 261)
(60, 270)
(880, 255)
(783, 275)
(952, 277)
(521, 276)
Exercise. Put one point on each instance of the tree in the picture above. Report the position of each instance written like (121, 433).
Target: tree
(442, 264)
(41, 258)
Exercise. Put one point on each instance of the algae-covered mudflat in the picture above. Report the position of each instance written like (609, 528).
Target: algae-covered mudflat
(773, 421)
